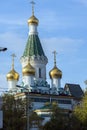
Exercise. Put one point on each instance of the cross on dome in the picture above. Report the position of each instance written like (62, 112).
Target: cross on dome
(13, 56)
(54, 52)
(33, 3)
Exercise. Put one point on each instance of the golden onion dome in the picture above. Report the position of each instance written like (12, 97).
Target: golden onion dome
(33, 20)
(28, 70)
(12, 75)
(55, 73)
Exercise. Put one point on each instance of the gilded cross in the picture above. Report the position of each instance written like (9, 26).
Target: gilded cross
(33, 3)
(54, 52)
(13, 56)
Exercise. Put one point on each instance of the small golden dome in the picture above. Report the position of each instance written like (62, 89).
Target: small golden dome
(55, 73)
(12, 75)
(28, 70)
(33, 20)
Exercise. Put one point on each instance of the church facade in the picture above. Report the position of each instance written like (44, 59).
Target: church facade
(34, 63)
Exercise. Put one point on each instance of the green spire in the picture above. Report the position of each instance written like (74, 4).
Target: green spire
(33, 47)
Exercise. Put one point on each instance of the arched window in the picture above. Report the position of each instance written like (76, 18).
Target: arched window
(39, 72)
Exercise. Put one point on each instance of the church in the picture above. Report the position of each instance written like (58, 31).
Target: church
(34, 62)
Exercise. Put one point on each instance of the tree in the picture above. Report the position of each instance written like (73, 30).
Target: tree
(58, 119)
(81, 112)
(35, 121)
(73, 122)
(13, 113)
(62, 120)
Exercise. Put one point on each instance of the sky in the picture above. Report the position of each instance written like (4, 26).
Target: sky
(62, 27)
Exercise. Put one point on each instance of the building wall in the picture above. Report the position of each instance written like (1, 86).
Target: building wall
(65, 102)
(1, 101)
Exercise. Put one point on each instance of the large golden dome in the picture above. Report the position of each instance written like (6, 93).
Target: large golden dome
(12, 75)
(33, 20)
(55, 73)
(28, 70)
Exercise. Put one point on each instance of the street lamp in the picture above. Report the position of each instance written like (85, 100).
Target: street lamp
(3, 48)
(27, 105)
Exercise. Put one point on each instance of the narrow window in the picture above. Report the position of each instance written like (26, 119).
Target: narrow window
(39, 72)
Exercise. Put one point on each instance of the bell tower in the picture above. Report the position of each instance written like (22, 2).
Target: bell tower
(34, 50)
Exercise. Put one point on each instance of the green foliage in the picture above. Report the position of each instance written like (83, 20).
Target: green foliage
(62, 120)
(35, 120)
(81, 112)
(58, 119)
(13, 113)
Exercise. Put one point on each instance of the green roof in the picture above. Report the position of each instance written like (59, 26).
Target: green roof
(33, 46)
(49, 106)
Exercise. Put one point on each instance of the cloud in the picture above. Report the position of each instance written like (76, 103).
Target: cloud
(54, 21)
(14, 42)
(83, 2)
(62, 45)
(10, 21)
